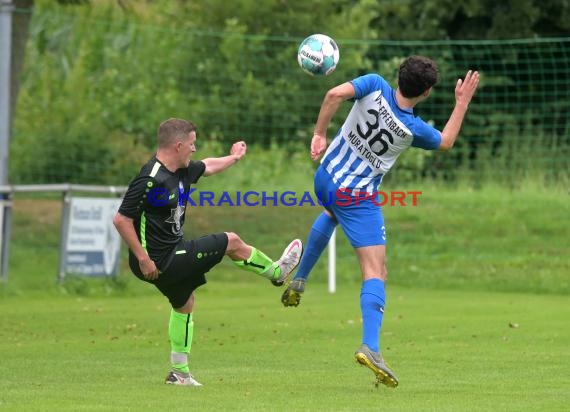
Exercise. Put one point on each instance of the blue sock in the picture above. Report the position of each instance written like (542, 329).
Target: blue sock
(372, 298)
(318, 240)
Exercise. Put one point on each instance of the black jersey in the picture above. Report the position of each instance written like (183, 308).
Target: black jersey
(156, 202)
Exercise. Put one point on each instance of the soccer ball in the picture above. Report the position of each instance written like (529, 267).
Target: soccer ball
(318, 55)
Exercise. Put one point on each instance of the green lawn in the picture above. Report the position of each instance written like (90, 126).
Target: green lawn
(452, 350)
(477, 315)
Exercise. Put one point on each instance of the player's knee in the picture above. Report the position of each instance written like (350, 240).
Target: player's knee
(188, 306)
(330, 214)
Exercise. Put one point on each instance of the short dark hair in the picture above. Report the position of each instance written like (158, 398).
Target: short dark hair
(416, 75)
(172, 130)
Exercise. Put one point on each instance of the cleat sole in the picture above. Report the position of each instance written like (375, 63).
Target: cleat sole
(381, 376)
(291, 298)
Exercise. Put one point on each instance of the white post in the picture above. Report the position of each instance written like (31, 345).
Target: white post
(332, 263)
(6, 9)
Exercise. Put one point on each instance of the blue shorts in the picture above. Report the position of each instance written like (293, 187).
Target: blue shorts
(359, 217)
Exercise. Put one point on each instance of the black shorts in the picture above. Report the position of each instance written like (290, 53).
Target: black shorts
(186, 272)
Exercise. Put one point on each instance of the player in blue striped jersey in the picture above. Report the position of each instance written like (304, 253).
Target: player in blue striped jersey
(380, 126)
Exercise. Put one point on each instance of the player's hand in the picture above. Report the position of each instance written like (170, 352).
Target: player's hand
(238, 149)
(149, 269)
(318, 146)
(465, 89)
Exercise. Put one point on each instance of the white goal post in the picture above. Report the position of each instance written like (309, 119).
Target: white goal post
(332, 263)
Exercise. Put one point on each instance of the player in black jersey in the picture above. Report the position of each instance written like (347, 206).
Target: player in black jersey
(150, 221)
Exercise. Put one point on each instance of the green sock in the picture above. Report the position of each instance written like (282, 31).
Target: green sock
(180, 332)
(260, 264)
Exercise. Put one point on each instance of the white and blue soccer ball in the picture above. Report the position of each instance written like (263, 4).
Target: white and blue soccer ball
(318, 55)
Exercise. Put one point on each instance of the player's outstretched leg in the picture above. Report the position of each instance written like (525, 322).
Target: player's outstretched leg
(288, 261)
(376, 364)
(258, 262)
(318, 239)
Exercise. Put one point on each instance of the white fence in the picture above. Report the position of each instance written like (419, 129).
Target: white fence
(7, 193)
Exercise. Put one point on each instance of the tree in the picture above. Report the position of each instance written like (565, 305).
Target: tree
(470, 19)
(20, 29)
(20, 33)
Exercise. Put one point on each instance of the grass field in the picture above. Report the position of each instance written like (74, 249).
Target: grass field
(453, 351)
(477, 316)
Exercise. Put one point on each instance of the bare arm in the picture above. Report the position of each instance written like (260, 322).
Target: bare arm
(126, 229)
(219, 164)
(464, 91)
(330, 105)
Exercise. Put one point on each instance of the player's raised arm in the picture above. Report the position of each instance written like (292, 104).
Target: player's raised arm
(219, 164)
(329, 107)
(464, 91)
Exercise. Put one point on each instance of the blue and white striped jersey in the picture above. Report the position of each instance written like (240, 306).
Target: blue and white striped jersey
(374, 134)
